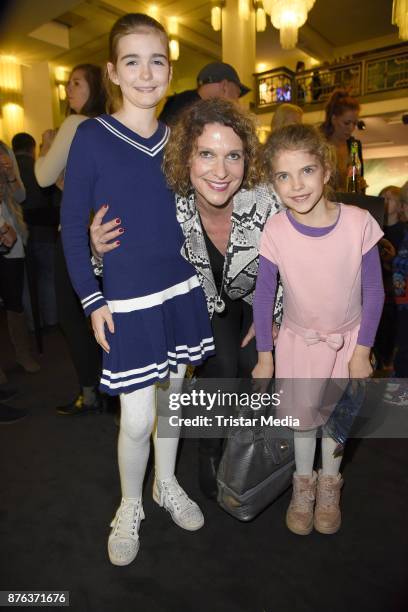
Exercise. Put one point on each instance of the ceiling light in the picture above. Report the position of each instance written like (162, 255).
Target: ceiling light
(400, 17)
(62, 92)
(244, 9)
(260, 17)
(174, 49)
(172, 26)
(216, 14)
(61, 74)
(288, 16)
(153, 11)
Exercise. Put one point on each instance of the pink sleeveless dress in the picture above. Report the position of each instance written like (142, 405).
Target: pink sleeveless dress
(321, 278)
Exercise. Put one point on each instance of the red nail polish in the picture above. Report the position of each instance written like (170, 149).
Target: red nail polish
(121, 230)
(117, 220)
(117, 243)
(105, 206)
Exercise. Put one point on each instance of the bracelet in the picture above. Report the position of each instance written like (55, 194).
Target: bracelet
(13, 181)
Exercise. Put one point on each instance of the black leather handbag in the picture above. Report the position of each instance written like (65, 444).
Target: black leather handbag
(256, 467)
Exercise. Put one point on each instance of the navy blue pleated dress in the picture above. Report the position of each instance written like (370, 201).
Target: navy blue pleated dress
(158, 306)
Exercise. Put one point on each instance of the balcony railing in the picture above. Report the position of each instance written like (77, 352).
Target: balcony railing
(363, 76)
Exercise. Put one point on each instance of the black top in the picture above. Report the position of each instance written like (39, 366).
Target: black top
(395, 233)
(216, 259)
(233, 308)
(39, 206)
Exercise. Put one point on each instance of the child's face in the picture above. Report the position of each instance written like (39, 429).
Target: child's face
(391, 202)
(299, 179)
(142, 70)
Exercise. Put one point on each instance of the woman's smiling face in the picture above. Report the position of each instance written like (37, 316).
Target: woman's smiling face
(217, 165)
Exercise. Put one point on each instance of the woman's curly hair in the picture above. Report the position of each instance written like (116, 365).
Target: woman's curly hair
(183, 139)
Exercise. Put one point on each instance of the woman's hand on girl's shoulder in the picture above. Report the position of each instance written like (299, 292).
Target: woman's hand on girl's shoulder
(98, 318)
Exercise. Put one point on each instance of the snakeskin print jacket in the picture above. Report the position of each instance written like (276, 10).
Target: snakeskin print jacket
(252, 208)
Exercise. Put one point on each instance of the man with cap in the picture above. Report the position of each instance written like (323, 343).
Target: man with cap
(215, 80)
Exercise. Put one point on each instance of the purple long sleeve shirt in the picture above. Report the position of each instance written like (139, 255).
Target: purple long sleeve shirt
(371, 282)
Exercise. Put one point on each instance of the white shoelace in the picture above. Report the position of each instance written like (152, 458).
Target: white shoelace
(171, 493)
(127, 520)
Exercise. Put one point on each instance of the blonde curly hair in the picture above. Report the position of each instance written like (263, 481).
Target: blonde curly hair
(184, 135)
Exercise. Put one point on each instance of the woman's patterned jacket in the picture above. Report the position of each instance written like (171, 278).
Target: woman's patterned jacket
(252, 208)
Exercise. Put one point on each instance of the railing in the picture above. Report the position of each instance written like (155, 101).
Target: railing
(371, 74)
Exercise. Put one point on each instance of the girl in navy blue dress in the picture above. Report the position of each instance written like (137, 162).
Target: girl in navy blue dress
(151, 317)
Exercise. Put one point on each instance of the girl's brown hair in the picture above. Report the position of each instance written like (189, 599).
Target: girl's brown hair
(396, 191)
(339, 102)
(96, 103)
(190, 126)
(297, 137)
(128, 24)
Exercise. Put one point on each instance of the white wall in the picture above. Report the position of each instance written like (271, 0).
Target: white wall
(39, 100)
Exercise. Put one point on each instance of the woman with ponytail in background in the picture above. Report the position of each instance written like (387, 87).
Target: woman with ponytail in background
(342, 113)
(86, 98)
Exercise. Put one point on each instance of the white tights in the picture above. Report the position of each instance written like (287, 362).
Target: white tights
(138, 422)
(305, 449)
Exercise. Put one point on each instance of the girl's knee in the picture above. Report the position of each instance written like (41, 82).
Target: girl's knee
(138, 414)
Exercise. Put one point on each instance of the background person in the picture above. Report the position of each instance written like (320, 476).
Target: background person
(341, 118)
(215, 80)
(286, 114)
(41, 216)
(400, 278)
(394, 230)
(397, 393)
(13, 235)
(86, 98)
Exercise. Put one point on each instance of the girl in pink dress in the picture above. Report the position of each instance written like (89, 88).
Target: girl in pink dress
(329, 266)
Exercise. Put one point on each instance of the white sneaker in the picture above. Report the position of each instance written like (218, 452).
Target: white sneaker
(184, 512)
(123, 542)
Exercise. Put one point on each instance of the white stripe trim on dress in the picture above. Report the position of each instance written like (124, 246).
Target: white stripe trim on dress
(164, 364)
(88, 297)
(144, 148)
(154, 299)
(151, 151)
(127, 383)
(141, 379)
(97, 299)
